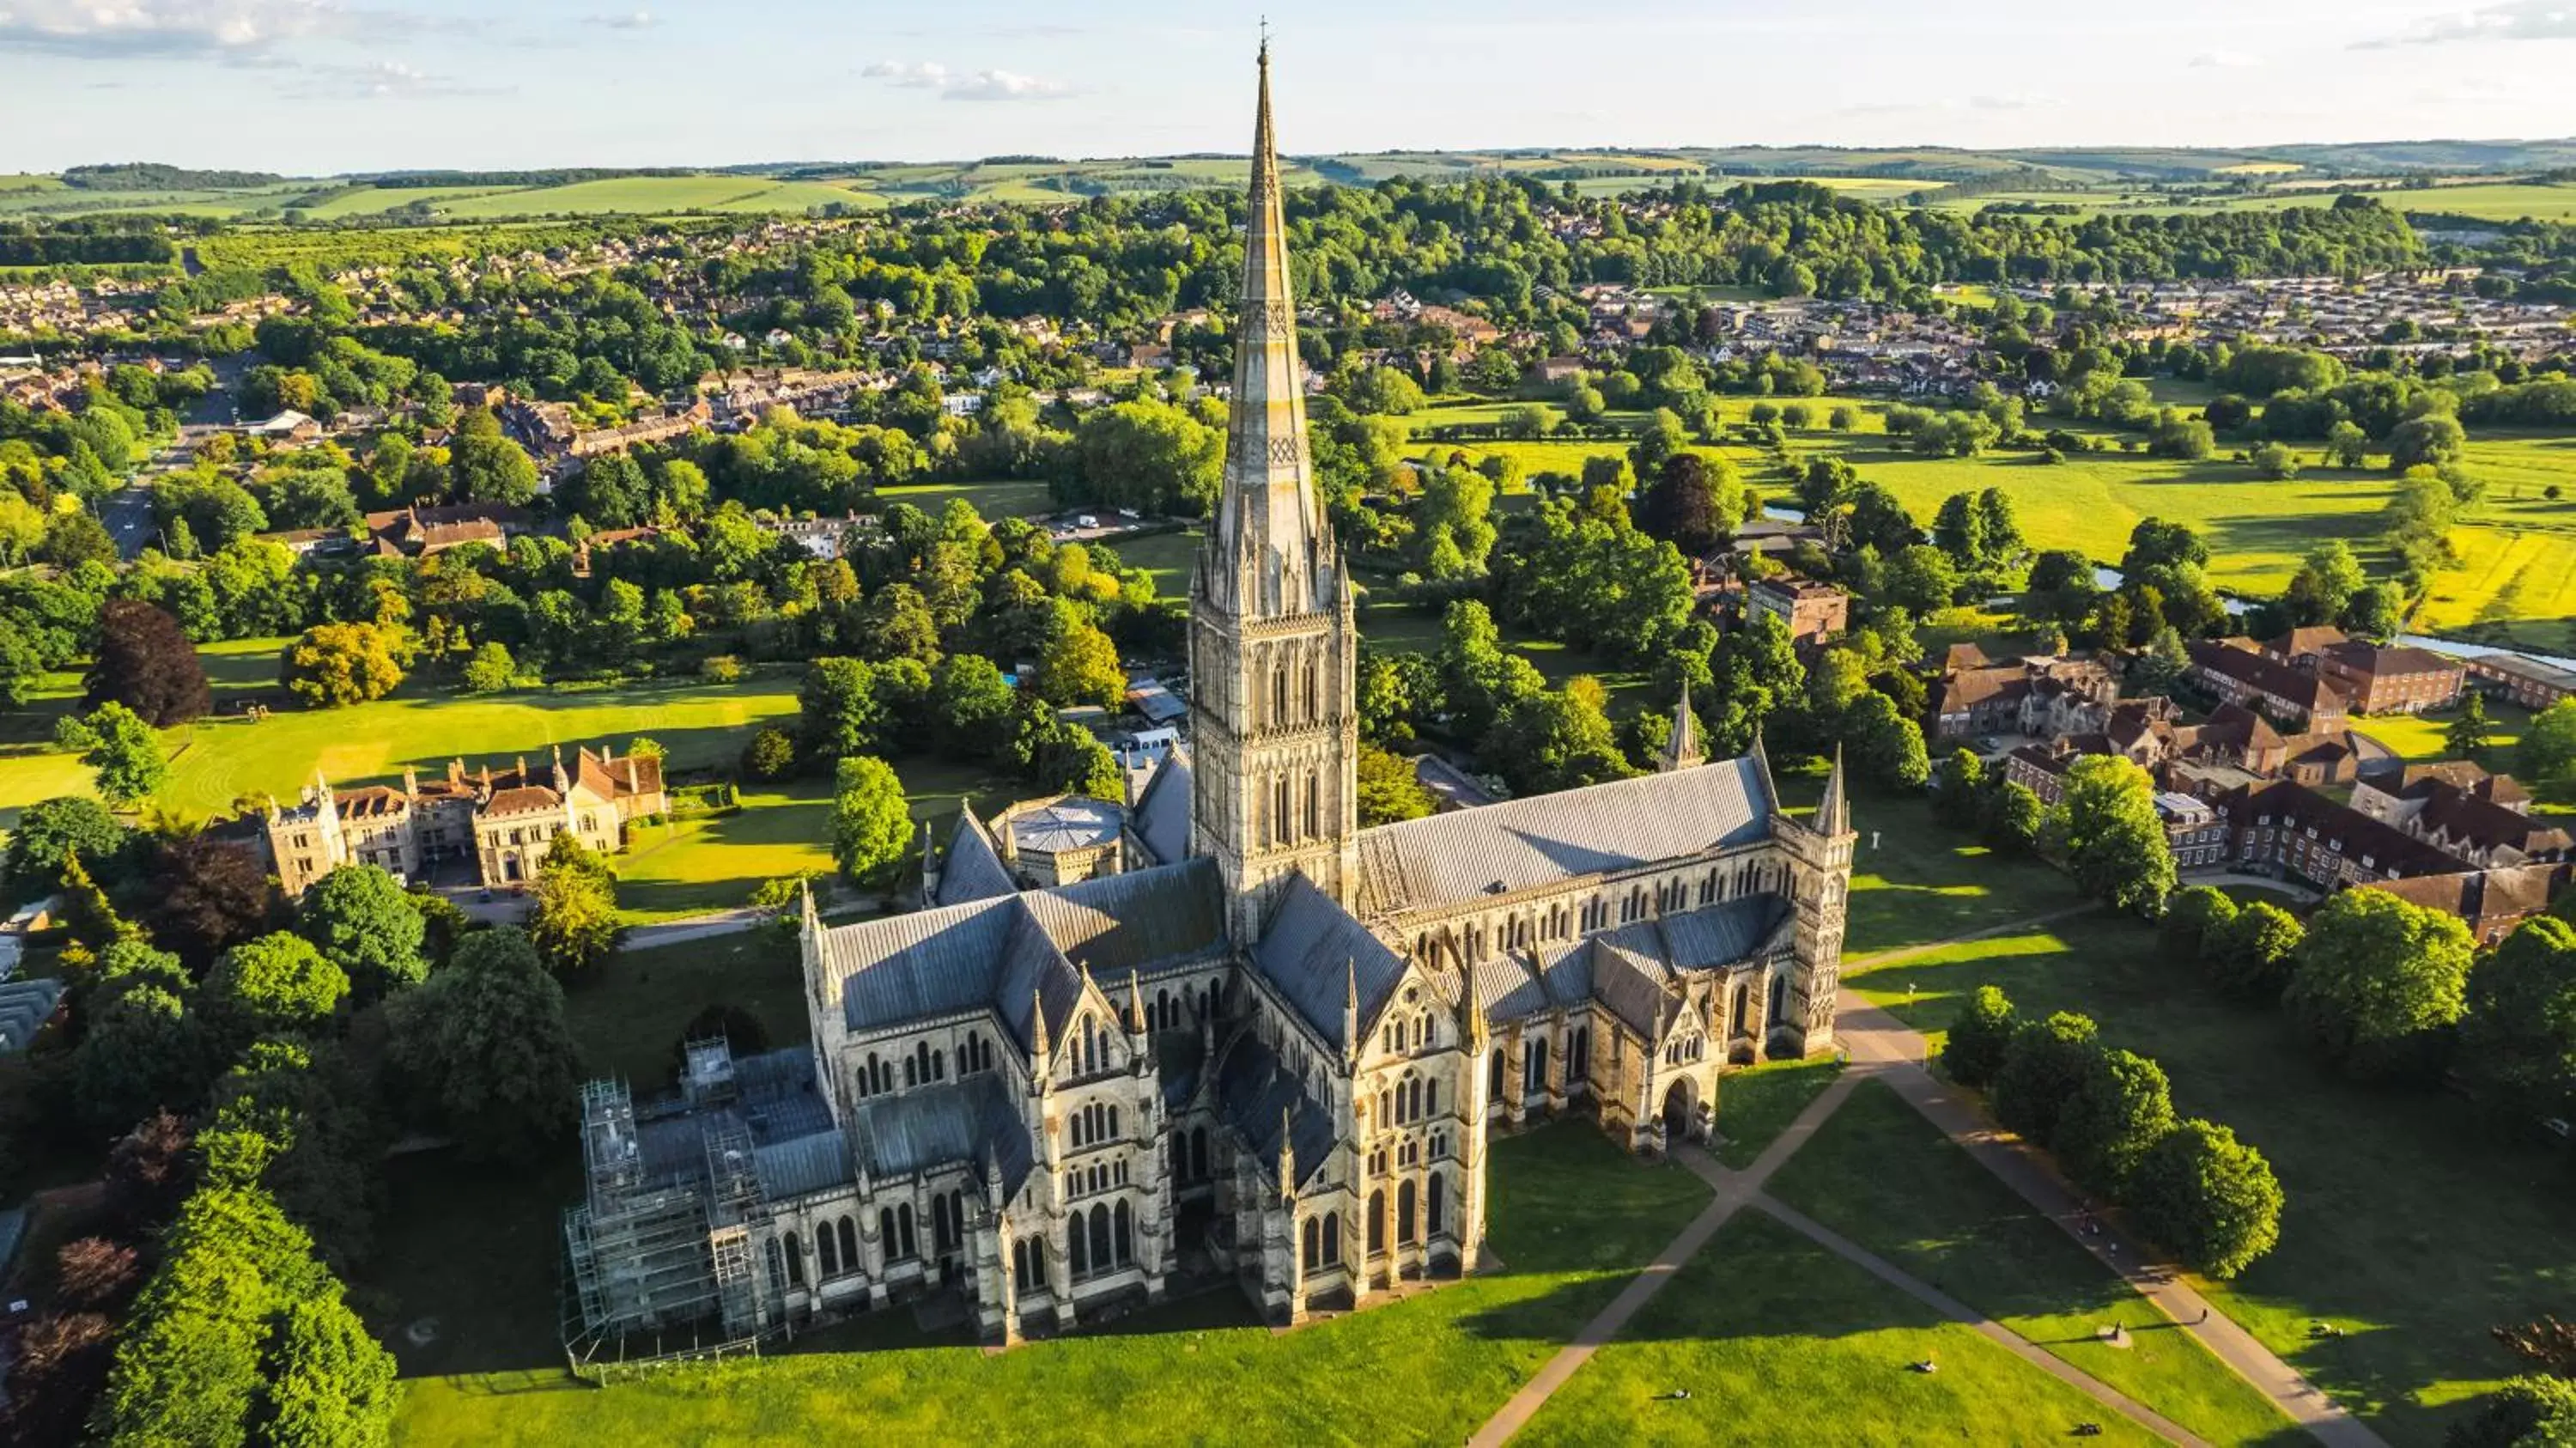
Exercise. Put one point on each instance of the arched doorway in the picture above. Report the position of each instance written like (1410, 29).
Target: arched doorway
(1681, 1110)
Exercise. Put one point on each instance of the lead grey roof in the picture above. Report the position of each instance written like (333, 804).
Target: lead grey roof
(1071, 823)
(816, 1162)
(972, 870)
(990, 953)
(1255, 1092)
(1629, 989)
(1449, 858)
(1163, 810)
(951, 1124)
(1715, 935)
(1137, 921)
(1310, 951)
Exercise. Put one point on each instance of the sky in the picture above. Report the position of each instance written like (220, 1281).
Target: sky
(318, 87)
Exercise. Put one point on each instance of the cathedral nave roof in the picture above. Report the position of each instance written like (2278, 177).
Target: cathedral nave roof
(1519, 844)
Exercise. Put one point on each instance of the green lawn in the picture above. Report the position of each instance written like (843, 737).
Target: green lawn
(995, 500)
(1915, 881)
(1572, 1217)
(628, 1020)
(217, 760)
(2420, 736)
(2409, 1225)
(714, 862)
(1883, 1176)
(1756, 1104)
(1778, 1341)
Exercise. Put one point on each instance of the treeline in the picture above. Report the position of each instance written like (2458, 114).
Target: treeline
(90, 241)
(154, 176)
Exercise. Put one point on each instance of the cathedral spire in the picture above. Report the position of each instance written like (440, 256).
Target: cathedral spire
(1833, 812)
(1682, 749)
(1269, 517)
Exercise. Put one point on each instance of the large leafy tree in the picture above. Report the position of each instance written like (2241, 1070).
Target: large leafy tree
(2106, 830)
(2379, 983)
(274, 985)
(1150, 456)
(207, 895)
(2121, 1106)
(575, 928)
(482, 1050)
(1980, 1035)
(2040, 1071)
(871, 820)
(838, 709)
(121, 749)
(1079, 665)
(2518, 1037)
(1388, 789)
(970, 706)
(2254, 952)
(2548, 749)
(345, 663)
(365, 923)
(145, 662)
(50, 832)
(2192, 916)
(241, 1338)
(1889, 746)
(2211, 1198)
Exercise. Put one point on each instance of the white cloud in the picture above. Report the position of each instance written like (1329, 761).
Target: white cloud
(1003, 85)
(631, 20)
(2514, 20)
(918, 74)
(226, 28)
(954, 85)
(2225, 60)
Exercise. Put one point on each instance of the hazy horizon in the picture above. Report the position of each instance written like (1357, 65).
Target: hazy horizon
(312, 87)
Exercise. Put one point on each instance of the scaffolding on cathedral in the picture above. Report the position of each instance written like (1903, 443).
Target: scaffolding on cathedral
(660, 1244)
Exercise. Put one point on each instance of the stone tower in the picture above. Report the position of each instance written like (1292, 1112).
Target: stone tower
(1274, 731)
(1819, 852)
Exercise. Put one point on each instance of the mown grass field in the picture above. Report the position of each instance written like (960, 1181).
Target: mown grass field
(1880, 1174)
(2410, 1226)
(1777, 1341)
(1572, 1218)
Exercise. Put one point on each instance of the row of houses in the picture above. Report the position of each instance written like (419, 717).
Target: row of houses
(2316, 676)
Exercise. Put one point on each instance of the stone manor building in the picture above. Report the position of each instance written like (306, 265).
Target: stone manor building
(1273, 1045)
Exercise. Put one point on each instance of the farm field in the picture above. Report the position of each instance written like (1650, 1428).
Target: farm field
(1572, 1218)
(2257, 531)
(2374, 1240)
(644, 195)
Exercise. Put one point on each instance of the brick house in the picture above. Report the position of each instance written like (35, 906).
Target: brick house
(1811, 611)
(2397, 680)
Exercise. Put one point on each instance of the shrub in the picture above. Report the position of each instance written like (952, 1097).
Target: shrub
(771, 755)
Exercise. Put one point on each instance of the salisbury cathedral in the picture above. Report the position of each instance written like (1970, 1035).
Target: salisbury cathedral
(1275, 1045)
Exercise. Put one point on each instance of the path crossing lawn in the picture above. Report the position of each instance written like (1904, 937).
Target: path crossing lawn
(1883, 1176)
(1756, 1104)
(1573, 1217)
(2411, 1225)
(1778, 1341)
